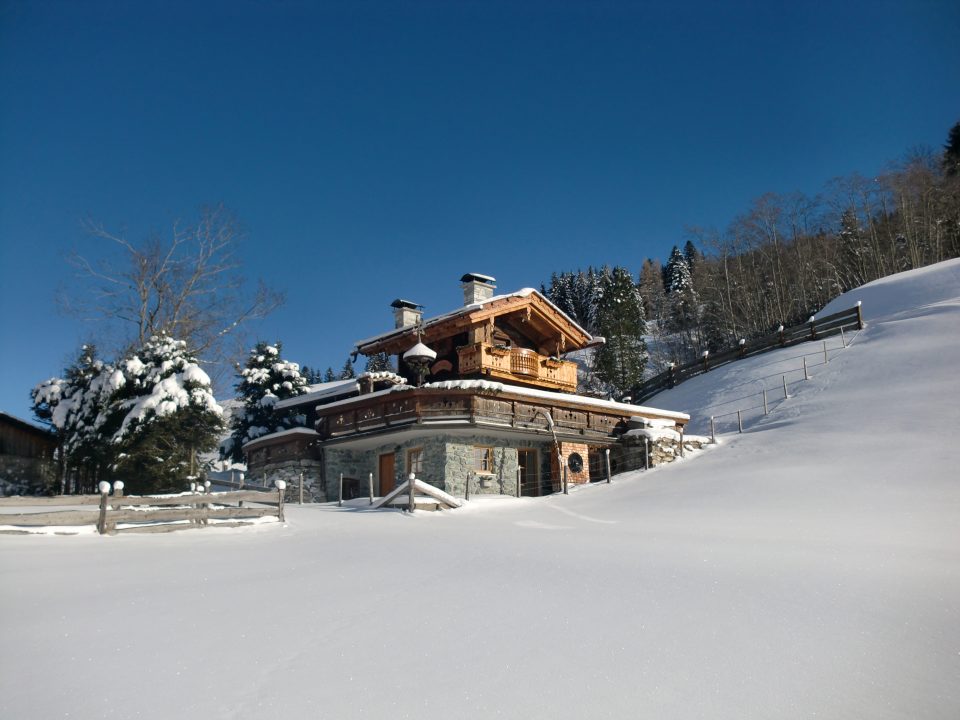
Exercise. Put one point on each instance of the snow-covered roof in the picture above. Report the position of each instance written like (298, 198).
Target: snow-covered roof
(319, 391)
(466, 309)
(282, 433)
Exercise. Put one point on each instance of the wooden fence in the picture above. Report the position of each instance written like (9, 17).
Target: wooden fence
(162, 513)
(814, 329)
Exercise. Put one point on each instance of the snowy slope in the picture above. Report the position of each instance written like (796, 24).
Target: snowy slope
(809, 567)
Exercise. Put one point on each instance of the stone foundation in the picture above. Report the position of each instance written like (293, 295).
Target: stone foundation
(289, 471)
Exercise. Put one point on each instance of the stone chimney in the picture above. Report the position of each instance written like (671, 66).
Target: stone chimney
(406, 313)
(477, 288)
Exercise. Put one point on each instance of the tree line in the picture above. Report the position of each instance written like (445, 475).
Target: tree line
(777, 263)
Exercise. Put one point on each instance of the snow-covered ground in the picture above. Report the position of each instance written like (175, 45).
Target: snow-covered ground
(809, 567)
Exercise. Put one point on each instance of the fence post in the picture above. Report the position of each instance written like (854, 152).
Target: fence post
(743, 347)
(118, 488)
(859, 316)
(739, 421)
(412, 505)
(806, 376)
(765, 411)
(646, 453)
(825, 359)
(783, 336)
(370, 487)
(565, 492)
(301, 488)
(713, 432)
(681, 441)
(281, 488)
(672, 380)
(104, 492)
(518, 481)
(340, 492)
(606, 454)
(843, 337)
(785, 396)
(813, 327)
(706, 360)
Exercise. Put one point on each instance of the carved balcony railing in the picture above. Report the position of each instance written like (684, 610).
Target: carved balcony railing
(428, 406)
(518, 364)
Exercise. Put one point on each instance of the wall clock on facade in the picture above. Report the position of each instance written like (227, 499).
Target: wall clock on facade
(575, 462)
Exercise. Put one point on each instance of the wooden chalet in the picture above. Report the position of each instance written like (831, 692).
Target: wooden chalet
(489, 401)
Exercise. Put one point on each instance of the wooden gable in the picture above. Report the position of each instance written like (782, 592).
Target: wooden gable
(528, 320)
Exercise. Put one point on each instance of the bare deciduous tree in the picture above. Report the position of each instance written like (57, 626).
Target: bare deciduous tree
(188, 285)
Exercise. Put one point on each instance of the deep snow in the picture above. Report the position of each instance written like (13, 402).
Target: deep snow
(809, 567)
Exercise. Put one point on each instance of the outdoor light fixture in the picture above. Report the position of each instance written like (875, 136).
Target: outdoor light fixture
(418, 357)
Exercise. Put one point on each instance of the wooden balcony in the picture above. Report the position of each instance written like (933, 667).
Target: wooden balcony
(518, 365)
(428, 406)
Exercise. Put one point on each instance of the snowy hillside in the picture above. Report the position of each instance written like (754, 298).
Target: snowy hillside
(808, 567)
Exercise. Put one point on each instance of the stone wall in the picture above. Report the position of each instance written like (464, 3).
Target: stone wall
(289, 471)
(628, 453)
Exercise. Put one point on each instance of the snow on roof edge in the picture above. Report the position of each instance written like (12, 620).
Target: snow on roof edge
(281, 433)
(335, 387)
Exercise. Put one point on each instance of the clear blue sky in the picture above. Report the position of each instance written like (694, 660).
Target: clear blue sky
(377, 150)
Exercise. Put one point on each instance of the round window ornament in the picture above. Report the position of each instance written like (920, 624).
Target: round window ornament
(575, 462)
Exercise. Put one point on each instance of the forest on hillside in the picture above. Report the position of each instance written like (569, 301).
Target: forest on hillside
(777, 263)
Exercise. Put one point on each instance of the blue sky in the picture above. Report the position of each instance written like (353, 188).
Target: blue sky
(380, 150)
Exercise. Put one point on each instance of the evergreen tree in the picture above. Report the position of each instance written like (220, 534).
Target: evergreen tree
(676, 272)
(347, 373)
(620, 362)
(329, 375)
(310, 375)
(853, 252)
(951, 152)
(265, 379)
(160, 417)
(73, 406)
(380, 363)
(691, 255)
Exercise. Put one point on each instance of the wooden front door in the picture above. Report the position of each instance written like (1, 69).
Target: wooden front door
(527, 460)
(386, 474)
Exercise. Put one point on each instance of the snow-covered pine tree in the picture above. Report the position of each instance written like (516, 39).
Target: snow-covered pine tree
(74, 405)
(329, 375)
(854, 253)
(620, 362)
(347, 373)
(676, 272)
(380, 362)
(265, 379)
(161, 415)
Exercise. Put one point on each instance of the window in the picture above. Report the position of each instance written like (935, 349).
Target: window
(483, 459)
(415, 461)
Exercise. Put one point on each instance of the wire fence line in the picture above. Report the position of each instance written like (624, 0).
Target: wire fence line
(812, 330)
(753, 406)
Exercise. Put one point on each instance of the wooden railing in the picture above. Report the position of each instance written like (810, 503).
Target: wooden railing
(519, 364)
(118, 513)
(431, 405)
(819, 328)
